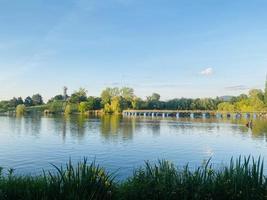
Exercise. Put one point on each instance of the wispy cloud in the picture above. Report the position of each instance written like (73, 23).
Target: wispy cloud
(165, 85)
(237, 88)
(207, 72)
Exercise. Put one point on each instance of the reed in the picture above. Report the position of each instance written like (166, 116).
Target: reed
(85, 181)
(242, 179)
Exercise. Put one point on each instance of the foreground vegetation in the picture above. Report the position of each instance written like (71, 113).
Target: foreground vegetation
(242, 179)
(115, 100)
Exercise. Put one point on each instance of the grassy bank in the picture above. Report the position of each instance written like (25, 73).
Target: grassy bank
(242, 179)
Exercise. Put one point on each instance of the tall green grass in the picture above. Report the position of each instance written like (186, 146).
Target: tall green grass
(242, 179)
(86, 181)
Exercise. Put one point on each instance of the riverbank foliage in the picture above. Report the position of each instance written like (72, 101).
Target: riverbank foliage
(115, 100)
(255, 101)
(20, 109)
(243, 179)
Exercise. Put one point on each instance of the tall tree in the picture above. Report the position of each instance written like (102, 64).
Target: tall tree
(83, 107)
(28, 101)
(153, 101)
(154, 97)
(116, 104)
(137, 103)
(256, 93)
(20, 109)
(127, 93)
(37, 100)
(108, 94)
(79, 96)
(93, 103)
(56, 106)
(20, 101)
(59, 97)
(13, 102)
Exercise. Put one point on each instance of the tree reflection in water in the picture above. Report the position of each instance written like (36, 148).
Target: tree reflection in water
(114, 126)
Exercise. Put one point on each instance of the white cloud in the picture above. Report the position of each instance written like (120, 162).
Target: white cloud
(207, 72)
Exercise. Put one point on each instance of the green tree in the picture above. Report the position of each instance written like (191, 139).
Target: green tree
(56, 98)
(20, 101)
(21, 109)
(13, 102)
(56, 106)
(108, 94)
(256, 93)
(127, 93)
(239, 98)
(79, 96)
(256, 99)
(28, 101)
(244, 105)
(154, 97)
(83, 107)
(93, 103)
(107, 108)
(258, 105)
(137, 103)
(68, 110)
(4, 106)
(226, 107)
(37, 100)
(153, 102)
(116, 105)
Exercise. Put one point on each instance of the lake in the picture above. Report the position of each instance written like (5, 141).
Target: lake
(120, 144)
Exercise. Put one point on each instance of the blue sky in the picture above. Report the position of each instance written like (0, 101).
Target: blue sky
(178, 48)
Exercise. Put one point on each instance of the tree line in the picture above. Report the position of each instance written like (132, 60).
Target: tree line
(256, 100)
(115, 100)
(34, 100)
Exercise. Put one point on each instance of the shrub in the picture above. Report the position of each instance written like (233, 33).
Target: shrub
(21, 109)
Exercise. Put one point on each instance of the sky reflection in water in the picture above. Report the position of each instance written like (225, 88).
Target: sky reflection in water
(31, 143)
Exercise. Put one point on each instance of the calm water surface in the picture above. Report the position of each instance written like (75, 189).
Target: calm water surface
(30, 144)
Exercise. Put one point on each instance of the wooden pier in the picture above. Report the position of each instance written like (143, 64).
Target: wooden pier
(193, 113)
